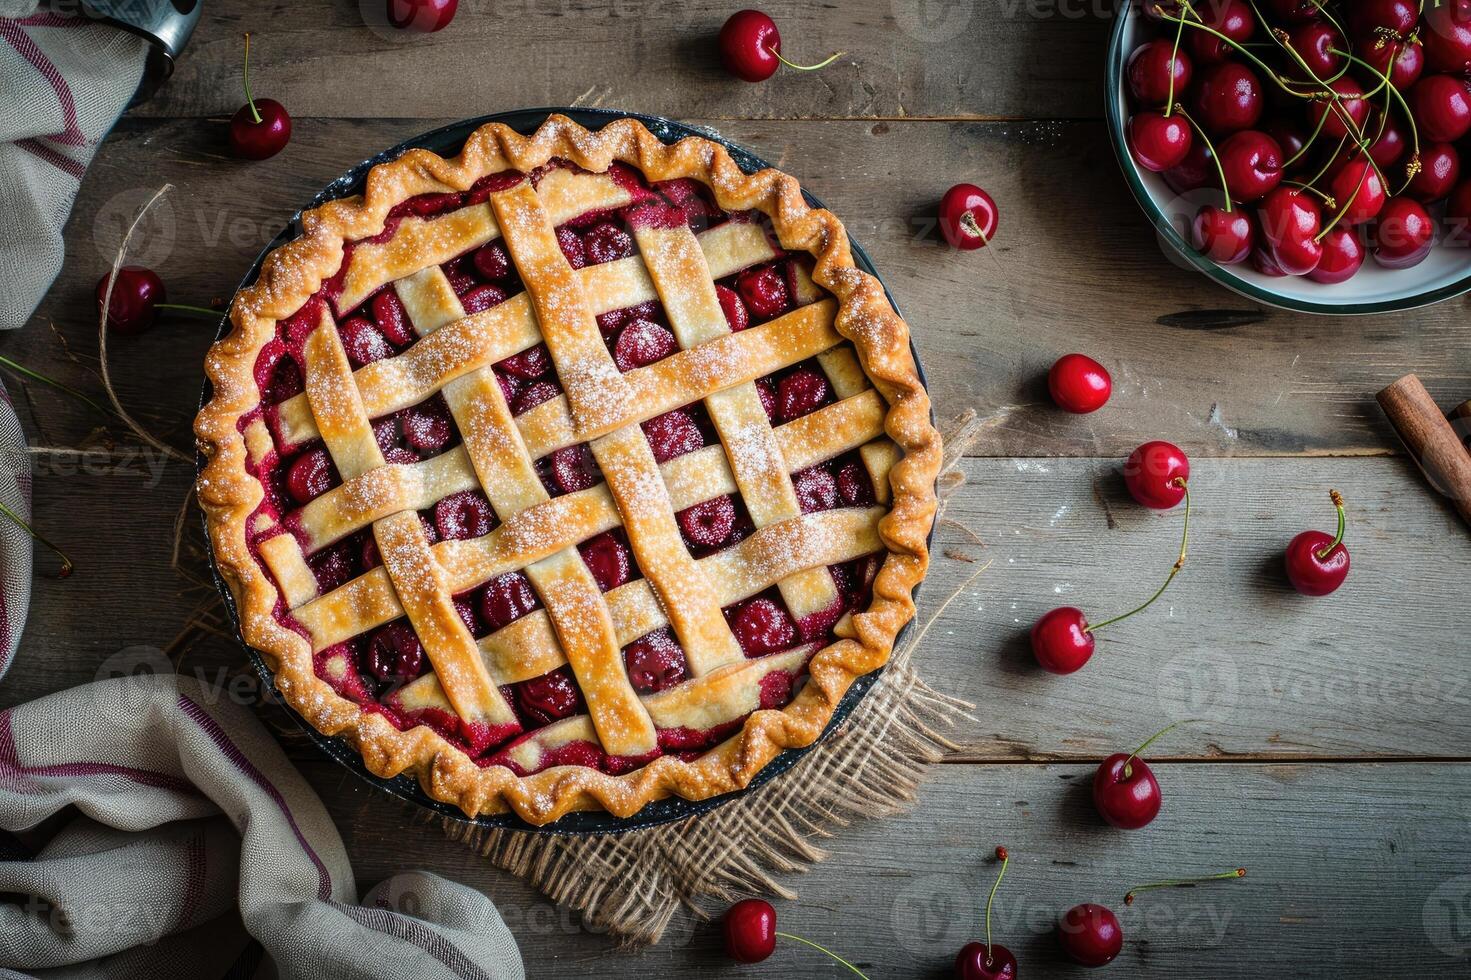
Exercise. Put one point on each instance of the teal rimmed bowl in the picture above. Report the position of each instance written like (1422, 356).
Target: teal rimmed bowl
(1445, 273)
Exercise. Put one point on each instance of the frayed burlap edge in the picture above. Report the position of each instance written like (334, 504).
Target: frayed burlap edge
(630, 885)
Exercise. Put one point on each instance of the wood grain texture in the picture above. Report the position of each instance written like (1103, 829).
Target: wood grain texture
(1376, 670)
(1354, 871)
(905, 58)
(1218, 375)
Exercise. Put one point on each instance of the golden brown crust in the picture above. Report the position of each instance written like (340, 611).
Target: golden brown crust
(293, 273)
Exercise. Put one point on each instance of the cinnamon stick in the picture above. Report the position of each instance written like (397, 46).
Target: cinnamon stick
(1432, 443)
(1461, 421)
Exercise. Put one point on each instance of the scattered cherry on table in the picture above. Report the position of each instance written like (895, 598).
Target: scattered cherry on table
(750, 933)
(260, 128)
(1125, 790)
(1156, 474)
(750, 47)
(427, 16)
(1079, 384)
(135, 299)
(988, 960)
(1090, 934)
(1317, 563)
(968, 217)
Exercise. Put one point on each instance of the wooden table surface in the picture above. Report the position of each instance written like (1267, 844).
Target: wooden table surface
(1330, 751)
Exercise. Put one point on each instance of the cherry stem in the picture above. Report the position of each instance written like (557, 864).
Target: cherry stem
(37, 376)
(1215, 157)
(1337, 499)
(808, 942)
(1179, 481)
(1266, 69)
(969, 223)
(1170, 102)
(250, 100)
(1005, 857)
(1363, 179)
(1128, 763)
(1184, 883)
(185, 308)
(66, 563)
(821, 64)
(1327, 199)
(1413, 167)
(1308, 145)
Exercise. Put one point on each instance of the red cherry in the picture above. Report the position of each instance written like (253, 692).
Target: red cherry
(1079, 384)
(1358, 191)
(1447, 35)
(968, 217)
(1228, 98)
(1458, 215)
(1224, 237)
(1317, 564)
(1343, 256)
(1404, 234)
(1316, 42)
(976, 962)
(1157, 142)
(1090, 934)
(395, 653)
(1126, 792)
(1156, 474)
(311, 475)
(1262, 261)
(1061, 640)
(550, 697)
(764, 291)
(1252, 163)
(1440, 169)
(1197, 170)
(1389, 145)
(1350, 103)
(1402, 61)
(1294, 11)
(761, 626)
(1370, 20)
(748, 44)
(1291, 140)
(135, 299)
(261, 128)
(1149, 70)
(608, 560)
(1442, 107)
(1232, 18)
(427, 16)
(1291, 219)
(655, 661)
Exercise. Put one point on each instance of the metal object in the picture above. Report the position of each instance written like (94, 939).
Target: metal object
(166, 24)
(447, 142)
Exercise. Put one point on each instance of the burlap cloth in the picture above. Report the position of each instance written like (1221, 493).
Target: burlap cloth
(630, 885)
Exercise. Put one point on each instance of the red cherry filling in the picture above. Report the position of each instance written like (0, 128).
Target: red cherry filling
(550, 697)
(427, 427)
(776, 690)
(505, 599)
(311, 475)
(654, 662)
(817, 489)
(277, 374)
(572, 247)
(574, 469)
(801, 392)
(764, 291)
(466, 514)
(642, 343)
(766, 390)
(392, 318)
(533, 395)
(395, 653)
(855, 486)
(363, 342)
(762, 626)
(389, 436)
(672, 434)
(608, 560)
(708, 524)
(332, 567)
(477, 299)
(735, 311)
(688, 198)
(492, 261)
(530, 364)
(606, 243)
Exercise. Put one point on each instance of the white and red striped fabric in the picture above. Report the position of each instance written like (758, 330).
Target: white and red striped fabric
(64, 80)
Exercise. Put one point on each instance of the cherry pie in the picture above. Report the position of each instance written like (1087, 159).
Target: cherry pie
(570, 473)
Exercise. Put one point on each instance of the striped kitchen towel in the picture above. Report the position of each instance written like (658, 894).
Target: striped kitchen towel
(64, 80)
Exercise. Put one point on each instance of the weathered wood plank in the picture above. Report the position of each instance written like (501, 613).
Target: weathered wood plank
(1377, 670)
(987, 324)
(905, 58)
(1354, 871)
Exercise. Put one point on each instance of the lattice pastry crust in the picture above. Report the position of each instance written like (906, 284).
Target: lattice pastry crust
(455, 712)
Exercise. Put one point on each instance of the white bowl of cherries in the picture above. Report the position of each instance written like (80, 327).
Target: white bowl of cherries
(1305, 153)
